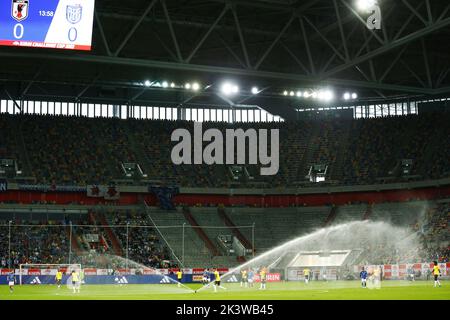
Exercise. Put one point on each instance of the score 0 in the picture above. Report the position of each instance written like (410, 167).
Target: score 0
(18, 31)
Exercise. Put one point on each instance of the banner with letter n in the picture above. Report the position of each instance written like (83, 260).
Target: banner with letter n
(3, 185)
(165, 196)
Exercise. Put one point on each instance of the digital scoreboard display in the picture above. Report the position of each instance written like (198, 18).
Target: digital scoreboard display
(56, 24)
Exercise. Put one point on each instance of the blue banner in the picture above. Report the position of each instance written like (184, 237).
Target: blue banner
(165, 195)
(100, 279)
(51, 188)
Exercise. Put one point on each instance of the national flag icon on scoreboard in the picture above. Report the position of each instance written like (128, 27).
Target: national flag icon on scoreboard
(74, 13)
(19, 9)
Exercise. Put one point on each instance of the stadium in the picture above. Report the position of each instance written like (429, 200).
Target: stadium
(224, 150)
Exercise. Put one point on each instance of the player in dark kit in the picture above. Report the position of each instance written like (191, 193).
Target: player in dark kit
(363, 276)
(205, 279)
(11, 281)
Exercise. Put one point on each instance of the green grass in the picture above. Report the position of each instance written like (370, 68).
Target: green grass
(340, 290)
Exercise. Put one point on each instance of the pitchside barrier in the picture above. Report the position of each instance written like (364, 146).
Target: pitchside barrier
(161, 276)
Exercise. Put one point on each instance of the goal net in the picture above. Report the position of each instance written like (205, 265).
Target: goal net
(35, 273)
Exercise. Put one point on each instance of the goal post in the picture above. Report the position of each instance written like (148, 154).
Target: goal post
(47, 266)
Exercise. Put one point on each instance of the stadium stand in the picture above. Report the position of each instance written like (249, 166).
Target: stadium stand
(144, 245)
(40, 242)
(80, 151)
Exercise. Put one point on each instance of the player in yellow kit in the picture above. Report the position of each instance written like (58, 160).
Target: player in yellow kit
(217, 280)
(244, 278)
(58, 278)
(436, 273)
(263, 278)
(179, 277)
(75, 281)
(306, 273)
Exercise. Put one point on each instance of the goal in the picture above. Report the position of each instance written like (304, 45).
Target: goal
(46, 269)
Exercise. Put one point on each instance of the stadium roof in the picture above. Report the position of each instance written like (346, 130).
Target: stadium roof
(275, 45)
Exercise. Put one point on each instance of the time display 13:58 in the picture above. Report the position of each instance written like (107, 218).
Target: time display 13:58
(46, 13)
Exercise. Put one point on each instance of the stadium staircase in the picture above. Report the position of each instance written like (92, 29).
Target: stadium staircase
(368, 212)
(214, 227)
(140, 154)
(110, 233)
(169, 225)
(109, 144)
(236, 232)
(200, 232)
(331, 216)
(276, 227)
(73, 241)
(22, 150)
(349, 213)
(311, 151)
(399, 213)
(343, 143)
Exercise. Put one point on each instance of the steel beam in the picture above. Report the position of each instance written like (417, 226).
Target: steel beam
(13, 100)
(430, 15)
(136, 25)
(308, 49)
(197, 24)
(231, 51)
(427, 65)
(389, 46)
(295, 57)
(442, 76)
(349, 35)
(444, 13)
(241, 37)
(102, 33)
(414, 74)
(341, 30)
(172, 31)
(86, 88)
(169, 51)
(404, 25)
(203, 39)
(266, 4)
(418, 15)
(119, 61)
(264, 56)
(24, 92)
(394, 62)
(325, 39)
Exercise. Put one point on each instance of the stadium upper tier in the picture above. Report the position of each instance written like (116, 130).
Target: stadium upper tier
(79, 151)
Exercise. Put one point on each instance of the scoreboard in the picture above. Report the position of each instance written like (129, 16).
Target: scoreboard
(57, 24)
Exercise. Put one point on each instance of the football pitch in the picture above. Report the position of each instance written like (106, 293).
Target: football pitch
(336, 290)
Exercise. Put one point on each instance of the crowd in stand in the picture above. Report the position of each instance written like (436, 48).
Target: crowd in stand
(433, 232)
(33, 242)
(79, 151)
(47, 242)
(436, 232)
(144, 246)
